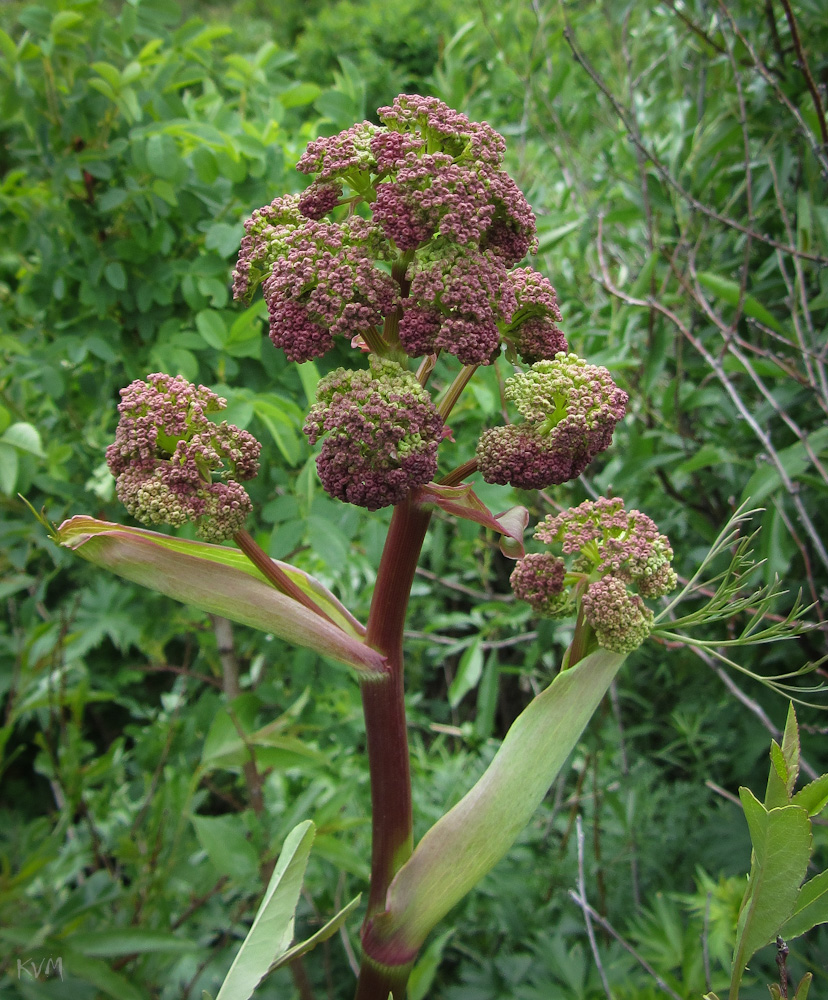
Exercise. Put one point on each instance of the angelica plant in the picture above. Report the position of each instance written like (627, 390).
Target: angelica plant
(404, 246)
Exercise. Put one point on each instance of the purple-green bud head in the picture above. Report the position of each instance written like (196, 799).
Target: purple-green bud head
(570, 409)
(457, 298)
(325, 283)
(533, 332)
(538, 579)
(601, 551)
(263, 243)
(621, 620)
(610, 541)
(173, 464)
(381, 434)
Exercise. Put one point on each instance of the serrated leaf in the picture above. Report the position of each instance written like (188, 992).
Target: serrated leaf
(272, 929)
(811, 908)
(781, 841)
(222, 581)
(813, 797)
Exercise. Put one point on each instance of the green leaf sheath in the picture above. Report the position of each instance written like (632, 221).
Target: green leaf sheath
(470, 839)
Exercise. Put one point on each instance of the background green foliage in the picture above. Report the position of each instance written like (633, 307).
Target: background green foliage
(152, 763)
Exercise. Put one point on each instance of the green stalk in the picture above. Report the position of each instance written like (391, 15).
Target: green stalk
(385, 726)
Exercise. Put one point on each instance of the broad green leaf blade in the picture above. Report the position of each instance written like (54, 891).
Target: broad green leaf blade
(781, 841)
(220, 581)
(127, 941)
(729, 291)
(469, 671)
(330, 928)
(811, 908)
(272, 930)
(225, 841)
(472, 837)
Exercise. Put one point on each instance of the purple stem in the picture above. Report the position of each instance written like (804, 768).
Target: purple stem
(385, 726)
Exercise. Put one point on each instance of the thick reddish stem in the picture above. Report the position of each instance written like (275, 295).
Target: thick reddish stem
(385, 725)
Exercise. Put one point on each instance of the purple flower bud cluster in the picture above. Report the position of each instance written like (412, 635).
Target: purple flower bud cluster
(166, 452)
(341, 156)
(533, 330)
(605, 550)
(325, 283)
(538, 579)
(381, 434)
(458, 296)
(616, 542)
(440, 127)
(570, 410)
(261, 244)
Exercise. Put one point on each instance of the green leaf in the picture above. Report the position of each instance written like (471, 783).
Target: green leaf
(297, 95)
(309, 377)
(728, 291)
(813, 797)
(99, 974)
(794, 460)
(811, 908)
(104, 943)
(472, 837)
(116, 275)
(224, 237)
(9, 468)
(469, 671)
(423, 973)
(222, 581)
(8, 49)
(272, 930)
(329, 929)
(275, 416)
(781, 841)
(65, 20)
(163, 156)
(227, 847)
(212, 328)
(24, 436)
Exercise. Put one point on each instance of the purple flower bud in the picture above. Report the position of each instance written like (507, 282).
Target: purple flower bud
(443, 129)
(533, 331)
(457, 298)
(570, 410)
(166, 453)
(381, 434)
(318, 199)
(538, 579)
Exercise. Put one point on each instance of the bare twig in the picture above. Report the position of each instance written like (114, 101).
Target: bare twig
(579, 833)
(802, 62)
(607, 926)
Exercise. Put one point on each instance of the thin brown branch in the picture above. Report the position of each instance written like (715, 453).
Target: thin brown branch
(663, 171)
(804, 66)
